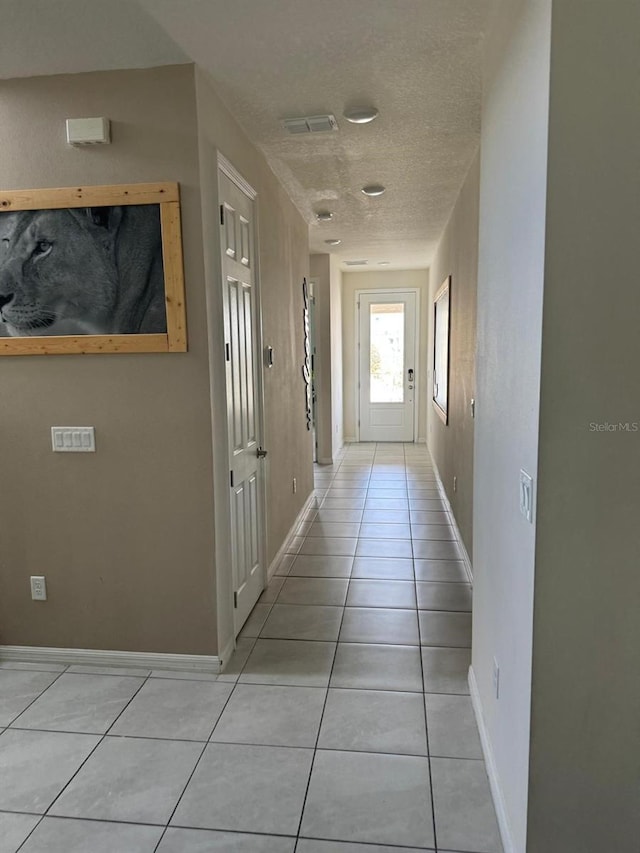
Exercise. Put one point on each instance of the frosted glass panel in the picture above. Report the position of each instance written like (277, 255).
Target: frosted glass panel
(386, 354)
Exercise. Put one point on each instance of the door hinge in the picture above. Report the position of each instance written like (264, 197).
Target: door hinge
(222, 214)
(231, 478)
(227, 352)
(235, 600)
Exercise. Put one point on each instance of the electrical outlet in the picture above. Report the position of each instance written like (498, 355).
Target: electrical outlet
(295, 485)
(38, 588)
(496, 679)
(455, 484)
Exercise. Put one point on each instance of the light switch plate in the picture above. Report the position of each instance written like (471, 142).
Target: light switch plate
(73, 439)
(526, 495)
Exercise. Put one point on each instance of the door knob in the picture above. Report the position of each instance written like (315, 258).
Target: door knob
(261, 453)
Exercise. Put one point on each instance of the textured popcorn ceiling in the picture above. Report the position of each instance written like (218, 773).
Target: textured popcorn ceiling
(417, 61)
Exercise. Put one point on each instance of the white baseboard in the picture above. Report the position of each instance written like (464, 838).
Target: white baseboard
(465, 556)
(350, 440)
(492, 772)
(292, 532)
(325, 460)
(100, 657)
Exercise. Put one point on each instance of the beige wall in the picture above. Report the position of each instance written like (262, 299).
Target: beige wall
(283, 263)
(124, 537)
(325, 270)
(585, 741)
(400, 280)
(451, 445)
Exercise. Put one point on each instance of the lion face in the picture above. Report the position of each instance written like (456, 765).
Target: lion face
(57, 273)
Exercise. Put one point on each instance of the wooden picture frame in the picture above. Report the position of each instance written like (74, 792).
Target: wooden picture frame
(441, 349)
(111, 267)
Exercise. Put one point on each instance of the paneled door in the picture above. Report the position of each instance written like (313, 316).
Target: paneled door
(241, 331)
(387, 365)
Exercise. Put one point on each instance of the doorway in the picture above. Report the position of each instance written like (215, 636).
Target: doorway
(243, 383)
(387, 323)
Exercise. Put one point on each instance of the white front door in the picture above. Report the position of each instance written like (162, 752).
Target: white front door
(387, 366)
(241, 331)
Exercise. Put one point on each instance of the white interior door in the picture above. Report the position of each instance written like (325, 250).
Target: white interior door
(387, 353)
(241, 330)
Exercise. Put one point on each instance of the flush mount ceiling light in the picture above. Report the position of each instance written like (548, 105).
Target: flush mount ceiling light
(333, 242)
(356, 263)
(361, 115)
(373, 189)
(384, 263)
(324, 216)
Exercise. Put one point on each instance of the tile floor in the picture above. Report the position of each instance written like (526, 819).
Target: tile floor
(343, 724)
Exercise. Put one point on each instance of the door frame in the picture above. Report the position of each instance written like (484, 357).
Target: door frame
(220, 446)
(388, 291)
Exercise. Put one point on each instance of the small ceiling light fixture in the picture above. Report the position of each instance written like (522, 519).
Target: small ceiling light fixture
(356, 263)
(384, 263)
(333, 242)
(373, 189)
(324, 216)
(361, 115)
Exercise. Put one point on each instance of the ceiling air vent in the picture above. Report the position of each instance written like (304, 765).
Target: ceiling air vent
(310, 124)
(356, 263)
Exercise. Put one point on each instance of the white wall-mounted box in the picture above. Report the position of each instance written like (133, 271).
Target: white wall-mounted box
(88, 131)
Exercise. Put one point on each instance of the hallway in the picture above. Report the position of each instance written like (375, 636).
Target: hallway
(371, 603)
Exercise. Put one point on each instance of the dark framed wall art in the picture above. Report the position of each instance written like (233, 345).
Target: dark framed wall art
(91, 270)
(441, 347)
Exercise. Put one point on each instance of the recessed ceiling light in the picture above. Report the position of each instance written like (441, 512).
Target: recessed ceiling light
(373, 189)
(324, 216)
(333, 242)
(384, 263)
(356, 263)
(361, 115)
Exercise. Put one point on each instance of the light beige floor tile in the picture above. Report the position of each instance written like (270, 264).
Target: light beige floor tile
(35, 766)
(130, 779)
(464, 814)
(428, 549)
(374, 721)
(87, 704)
(399, 548)
(66, 835)
(349, 796)
(211, 841)
(256, 620)
(380, 625)
(440, 532)
(312, 845)
(19, 688)
(303, 622)
(328, 529)
(453, 732)
(440, 628)
(374, 530)
(334, 546)
(386, 516)
(446, 670)
(381, 593)
(247, 789)
(377, 667)
(309, 590)
(14, 828)
(271, 716)
(185, 710)
(321, 566)
(382, 568)
(444, 596)
(289, 662)
(448, 571)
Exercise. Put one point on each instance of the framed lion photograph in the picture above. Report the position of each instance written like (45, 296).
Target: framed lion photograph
(91, 270)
